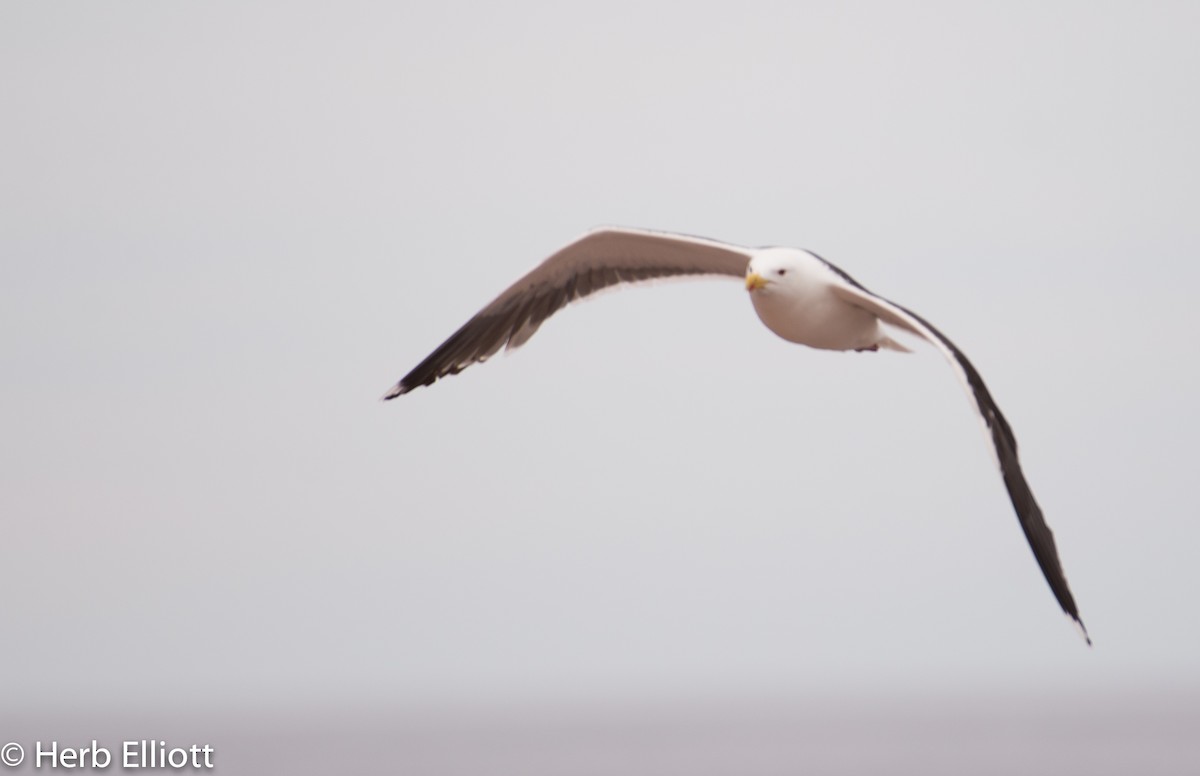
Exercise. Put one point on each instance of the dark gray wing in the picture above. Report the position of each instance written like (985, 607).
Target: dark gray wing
(1040, 538)
(604, 257)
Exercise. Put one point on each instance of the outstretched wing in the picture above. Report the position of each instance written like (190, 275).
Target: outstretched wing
(603, 257)
(1041, 539)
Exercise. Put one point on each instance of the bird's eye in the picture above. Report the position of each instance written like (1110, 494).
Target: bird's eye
(781, 272)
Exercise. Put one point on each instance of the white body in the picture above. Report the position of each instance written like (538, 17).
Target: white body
(800, 305)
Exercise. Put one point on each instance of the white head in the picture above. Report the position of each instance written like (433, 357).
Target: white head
(775, 270)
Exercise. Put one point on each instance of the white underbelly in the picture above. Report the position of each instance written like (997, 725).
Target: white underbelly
(818, 319)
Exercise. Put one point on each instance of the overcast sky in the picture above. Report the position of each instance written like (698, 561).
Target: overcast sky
(227, 228)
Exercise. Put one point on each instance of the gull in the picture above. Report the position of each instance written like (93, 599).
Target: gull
(797, 294)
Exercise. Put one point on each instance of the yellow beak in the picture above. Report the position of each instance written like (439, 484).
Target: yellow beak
(755, 281)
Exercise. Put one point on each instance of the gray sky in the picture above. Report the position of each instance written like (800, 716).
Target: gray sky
(227, 228)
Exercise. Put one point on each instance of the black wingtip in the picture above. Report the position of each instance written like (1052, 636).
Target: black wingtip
(1082, 629)
(399, 389)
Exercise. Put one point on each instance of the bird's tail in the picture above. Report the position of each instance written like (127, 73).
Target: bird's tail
(887, 343)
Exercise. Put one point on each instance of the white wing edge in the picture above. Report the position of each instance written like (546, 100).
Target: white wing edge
(667, 235)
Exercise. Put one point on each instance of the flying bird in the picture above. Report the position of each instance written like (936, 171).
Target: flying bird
(796, 293)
